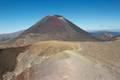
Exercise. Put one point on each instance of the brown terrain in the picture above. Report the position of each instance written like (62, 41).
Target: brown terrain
(105, 37)
(56, 49)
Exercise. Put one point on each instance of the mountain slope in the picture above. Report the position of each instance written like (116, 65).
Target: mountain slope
(51, 28)
(57, 28)
(9, 36)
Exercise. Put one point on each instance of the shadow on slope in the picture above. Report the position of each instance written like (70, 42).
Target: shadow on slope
(8, 59)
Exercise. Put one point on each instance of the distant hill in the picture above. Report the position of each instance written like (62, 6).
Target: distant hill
(95, 33)
(116, 37)
(9, 36)
(105, 35)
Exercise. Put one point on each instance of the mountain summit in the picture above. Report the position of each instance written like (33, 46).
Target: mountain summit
(57, 28)
(52, 28)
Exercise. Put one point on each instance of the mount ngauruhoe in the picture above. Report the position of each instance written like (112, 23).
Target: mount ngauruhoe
(53, 28)
(56, 49)
(57, 28)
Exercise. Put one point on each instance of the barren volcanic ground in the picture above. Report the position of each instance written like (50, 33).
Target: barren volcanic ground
(62, 60)
(56, 49)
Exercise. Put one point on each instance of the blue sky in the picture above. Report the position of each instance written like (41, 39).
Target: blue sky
(90, 15)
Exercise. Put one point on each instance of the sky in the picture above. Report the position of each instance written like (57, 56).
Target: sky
(90, 15)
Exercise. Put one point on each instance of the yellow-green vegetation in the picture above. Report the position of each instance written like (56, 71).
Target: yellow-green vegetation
(41, 51)
(52, 47)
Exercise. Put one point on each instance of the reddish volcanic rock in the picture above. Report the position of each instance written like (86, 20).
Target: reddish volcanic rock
(56, 28)
(26, 75)
(66, 66)
(51, 28)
